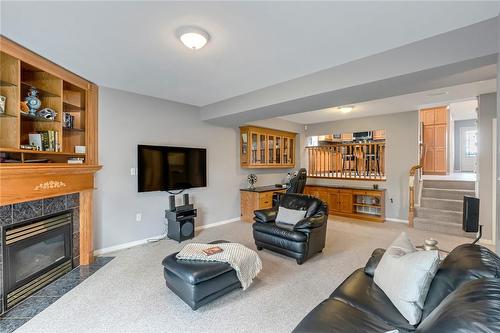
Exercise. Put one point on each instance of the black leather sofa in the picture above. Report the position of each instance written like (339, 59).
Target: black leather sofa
(307, 237)
(464, 296)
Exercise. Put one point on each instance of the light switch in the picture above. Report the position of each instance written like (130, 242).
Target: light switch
(132, 172)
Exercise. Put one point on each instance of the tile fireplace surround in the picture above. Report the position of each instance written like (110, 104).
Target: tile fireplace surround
(20, 212)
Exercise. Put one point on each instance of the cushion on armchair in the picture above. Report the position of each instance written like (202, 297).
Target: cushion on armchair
(289, 216)
(405, 274)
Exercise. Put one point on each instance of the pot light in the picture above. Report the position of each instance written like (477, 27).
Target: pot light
(346, 109)
(192, 37)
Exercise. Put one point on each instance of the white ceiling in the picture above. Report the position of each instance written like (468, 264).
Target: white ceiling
(132, 45)
(410, 102)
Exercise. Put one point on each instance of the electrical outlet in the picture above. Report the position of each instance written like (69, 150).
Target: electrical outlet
(133, 171)
(138, 217)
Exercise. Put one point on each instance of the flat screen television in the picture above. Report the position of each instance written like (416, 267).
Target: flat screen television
(164, 168)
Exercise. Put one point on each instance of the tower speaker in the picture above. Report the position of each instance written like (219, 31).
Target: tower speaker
(470, 222)
(186, 199)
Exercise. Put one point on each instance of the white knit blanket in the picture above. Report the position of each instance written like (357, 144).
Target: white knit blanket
(244, 261)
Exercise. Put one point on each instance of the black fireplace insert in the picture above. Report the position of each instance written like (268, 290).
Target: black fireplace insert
(35, 253)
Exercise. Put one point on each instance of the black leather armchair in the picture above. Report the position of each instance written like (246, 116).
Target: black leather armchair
(305, 239)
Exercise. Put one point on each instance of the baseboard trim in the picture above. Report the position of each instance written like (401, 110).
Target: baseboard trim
(486, 242)
(128, 245)
(216, 224)
(391, 219)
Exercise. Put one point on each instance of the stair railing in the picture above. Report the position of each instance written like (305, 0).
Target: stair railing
(413, 172)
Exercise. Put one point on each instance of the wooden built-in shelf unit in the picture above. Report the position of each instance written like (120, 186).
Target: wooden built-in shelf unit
(358, 203)
(23, 179)
(266, 148)
(58, 93)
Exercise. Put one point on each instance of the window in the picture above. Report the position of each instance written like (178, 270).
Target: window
(471, 142)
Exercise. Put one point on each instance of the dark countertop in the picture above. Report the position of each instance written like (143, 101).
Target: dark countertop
(362, 188)
(268, 188)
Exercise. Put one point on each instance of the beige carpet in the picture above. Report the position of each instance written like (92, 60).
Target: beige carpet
(129, 293)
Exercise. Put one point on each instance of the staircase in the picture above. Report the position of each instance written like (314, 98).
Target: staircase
(441, 206)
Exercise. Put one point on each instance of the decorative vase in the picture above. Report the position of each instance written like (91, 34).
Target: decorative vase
(47, 113)
(33, 101)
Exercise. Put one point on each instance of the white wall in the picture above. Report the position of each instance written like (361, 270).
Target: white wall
(497, 193)
(487, 111)
(126, 120)
(401, 154)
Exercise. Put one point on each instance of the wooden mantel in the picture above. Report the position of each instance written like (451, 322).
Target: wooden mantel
(64, 92)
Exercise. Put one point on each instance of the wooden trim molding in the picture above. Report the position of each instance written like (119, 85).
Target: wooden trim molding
(86, 228)
(25, 183)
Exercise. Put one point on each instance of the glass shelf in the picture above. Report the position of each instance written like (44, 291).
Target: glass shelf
(41, 92)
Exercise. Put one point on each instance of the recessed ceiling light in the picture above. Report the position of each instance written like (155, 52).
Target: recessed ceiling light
(346, 109)
(192, 37)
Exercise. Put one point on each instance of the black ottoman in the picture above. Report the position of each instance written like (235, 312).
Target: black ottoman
(199, 282)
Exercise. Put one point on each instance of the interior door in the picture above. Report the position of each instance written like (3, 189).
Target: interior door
(468, 149)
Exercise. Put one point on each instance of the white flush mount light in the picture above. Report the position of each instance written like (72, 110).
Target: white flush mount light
(192, 37)
(346, 109)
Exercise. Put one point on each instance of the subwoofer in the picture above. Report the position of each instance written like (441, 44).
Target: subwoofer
(181, 223)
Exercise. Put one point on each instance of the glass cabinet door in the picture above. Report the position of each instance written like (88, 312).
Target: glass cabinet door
(278, 150)
(262, 149)
(254, 144)
(271, 149)
(291, 153)
(286, 148)
(244, 147)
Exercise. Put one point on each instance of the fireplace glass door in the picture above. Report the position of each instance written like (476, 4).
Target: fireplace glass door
(35, 254)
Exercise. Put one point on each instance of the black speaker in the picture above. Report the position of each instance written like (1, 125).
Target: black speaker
(172, 202)
(186, 199)
(470, 222)
(181, 223)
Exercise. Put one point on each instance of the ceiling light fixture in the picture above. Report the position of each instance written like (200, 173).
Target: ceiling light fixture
(346, 109)
(192, 37)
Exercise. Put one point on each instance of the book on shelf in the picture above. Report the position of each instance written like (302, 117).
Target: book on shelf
(45, 140)
(69, 120)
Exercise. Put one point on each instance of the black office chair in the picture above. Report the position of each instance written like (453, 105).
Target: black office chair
(297, 185)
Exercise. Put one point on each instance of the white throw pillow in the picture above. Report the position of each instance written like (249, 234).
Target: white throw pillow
(405, 275)
(289, 216)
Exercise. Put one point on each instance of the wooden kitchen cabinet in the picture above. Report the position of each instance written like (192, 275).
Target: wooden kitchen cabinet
(266, 148)
(434, 138)
(258, 198)
(358, 203)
